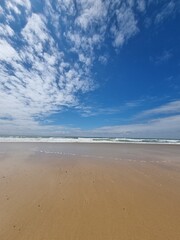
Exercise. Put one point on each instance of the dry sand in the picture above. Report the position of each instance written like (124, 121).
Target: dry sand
(89, 192)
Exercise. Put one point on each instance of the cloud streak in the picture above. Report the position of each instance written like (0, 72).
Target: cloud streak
(167, 9)
(166, 109)
(167, 127)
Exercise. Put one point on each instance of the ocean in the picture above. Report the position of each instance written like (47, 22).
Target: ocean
(88, 140)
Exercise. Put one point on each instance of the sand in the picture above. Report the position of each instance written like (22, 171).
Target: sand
(89, 191)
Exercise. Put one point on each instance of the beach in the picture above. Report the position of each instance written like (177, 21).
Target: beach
(89, 191)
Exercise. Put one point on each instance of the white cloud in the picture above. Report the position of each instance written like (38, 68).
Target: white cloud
(14, 5)
(7, 52)
(168, 127)
(6, 30)
(35, 30)
(163, 58)
(90, 12)
(103, 59)
(13, 10)
(166, 11)
(67, 6)
(168, 108)
(125, 26)
(141, 5)
(1, 10)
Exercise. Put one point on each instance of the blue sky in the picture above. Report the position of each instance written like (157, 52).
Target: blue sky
(90, 68)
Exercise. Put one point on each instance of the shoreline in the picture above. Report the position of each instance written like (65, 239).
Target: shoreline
(88, 140)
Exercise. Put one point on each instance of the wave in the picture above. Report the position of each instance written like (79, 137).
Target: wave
(89, 140)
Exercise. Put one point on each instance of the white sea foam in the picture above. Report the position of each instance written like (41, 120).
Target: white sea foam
(89, 140)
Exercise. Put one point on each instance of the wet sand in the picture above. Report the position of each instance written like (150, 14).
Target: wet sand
(89, 191)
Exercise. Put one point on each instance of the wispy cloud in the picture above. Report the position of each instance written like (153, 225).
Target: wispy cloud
(167, 9)
(96, 111)
(164, 57)
(141, 5)
(125, 25)
(166, 109)
(167, 127)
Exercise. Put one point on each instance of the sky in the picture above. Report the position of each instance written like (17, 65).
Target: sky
(105, 68)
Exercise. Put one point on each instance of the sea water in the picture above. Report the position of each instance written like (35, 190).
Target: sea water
(88, 140)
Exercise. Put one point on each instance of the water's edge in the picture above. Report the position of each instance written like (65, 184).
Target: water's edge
(89, 140)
